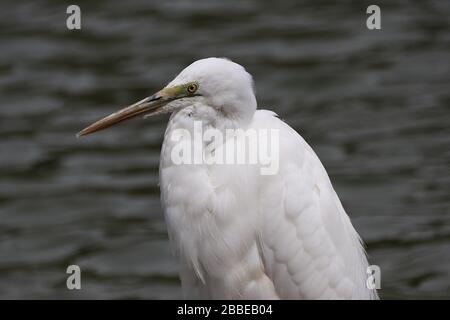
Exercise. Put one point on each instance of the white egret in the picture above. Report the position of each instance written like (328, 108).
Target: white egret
(239, 234)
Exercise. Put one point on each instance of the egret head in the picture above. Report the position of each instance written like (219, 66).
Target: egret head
(220, 84)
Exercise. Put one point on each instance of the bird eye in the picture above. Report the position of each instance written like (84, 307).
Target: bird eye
(192, 88)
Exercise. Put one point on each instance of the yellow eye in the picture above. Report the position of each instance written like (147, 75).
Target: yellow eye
(192, 88)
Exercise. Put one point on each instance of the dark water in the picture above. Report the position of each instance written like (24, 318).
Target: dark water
(375, 105)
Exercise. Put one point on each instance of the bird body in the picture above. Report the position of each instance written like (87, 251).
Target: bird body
(237, 233)
(240, 234)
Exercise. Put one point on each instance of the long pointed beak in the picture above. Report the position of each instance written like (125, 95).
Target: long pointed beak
(149, 105)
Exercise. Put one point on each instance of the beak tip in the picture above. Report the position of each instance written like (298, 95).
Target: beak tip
(80, 134)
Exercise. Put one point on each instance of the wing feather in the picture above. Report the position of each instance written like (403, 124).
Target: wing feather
(310, 248)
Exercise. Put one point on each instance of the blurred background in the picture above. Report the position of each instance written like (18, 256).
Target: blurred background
(374, 105)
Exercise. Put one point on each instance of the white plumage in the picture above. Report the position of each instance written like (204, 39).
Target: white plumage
(242, 235)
